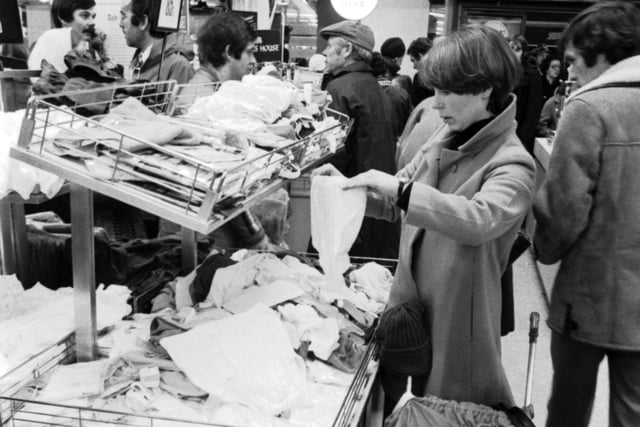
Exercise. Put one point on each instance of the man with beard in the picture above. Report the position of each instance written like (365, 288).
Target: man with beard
(370, 144)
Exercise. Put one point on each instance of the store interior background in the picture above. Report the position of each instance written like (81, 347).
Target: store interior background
(541, 22)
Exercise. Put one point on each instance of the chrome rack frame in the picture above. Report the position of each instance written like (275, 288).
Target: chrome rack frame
(195, 212)
(16, 406)
(194, 205)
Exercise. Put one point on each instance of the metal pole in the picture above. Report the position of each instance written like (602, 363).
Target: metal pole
(164, 45)
(450, 16)
(187, 17)
(7, 246)
(283, 14)
(534, 321)
(84, 280)
(189, 250)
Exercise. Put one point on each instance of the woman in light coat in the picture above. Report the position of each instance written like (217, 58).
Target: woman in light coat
(461, 200)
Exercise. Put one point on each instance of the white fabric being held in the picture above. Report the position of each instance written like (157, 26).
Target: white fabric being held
(336, 217)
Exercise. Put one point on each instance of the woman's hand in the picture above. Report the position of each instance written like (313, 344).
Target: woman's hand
(376, 181)
(326, 170)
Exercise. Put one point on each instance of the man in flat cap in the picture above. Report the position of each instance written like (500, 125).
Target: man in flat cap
(370, 145)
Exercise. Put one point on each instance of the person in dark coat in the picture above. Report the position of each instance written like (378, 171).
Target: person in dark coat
(550, 70)
(400, 101)
(529, 93)
(370, 144)
(417, 50)
(393, 51)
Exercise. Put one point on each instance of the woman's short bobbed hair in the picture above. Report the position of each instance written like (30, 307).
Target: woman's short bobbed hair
(472, 60)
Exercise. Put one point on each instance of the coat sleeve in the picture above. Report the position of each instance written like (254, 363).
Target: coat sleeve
(503, 199)
(563, 205)
(341, 104)
(546, 123)
(534, 102)
(181, 69)
(386, 209)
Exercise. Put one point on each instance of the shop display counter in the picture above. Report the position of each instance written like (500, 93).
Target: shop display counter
(199, 194)
(19, 408)
(542, 151)
(112, 155)
(19, 388)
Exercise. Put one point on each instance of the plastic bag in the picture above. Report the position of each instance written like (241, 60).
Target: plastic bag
(413, 413)
(336, 217)
(431, 411)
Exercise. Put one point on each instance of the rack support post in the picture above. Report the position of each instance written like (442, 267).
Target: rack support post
(189, 250)
(84, 280)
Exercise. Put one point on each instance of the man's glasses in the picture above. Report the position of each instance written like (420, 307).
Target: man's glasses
(124, 15)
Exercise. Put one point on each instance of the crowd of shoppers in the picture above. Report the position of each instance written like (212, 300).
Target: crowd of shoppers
(451, 177)
(467, 182)
(461, 200)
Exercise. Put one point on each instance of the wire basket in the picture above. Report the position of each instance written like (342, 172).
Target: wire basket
(120, 160)
(19, 406)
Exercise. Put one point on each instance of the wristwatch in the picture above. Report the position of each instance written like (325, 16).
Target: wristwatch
(401, 184)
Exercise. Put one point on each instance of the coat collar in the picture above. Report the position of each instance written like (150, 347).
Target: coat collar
(501, 124)
(353, 67)
(209, 73)
(625, 71)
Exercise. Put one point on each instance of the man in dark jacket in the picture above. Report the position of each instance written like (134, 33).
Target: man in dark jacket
(135, 22)
(370, 145)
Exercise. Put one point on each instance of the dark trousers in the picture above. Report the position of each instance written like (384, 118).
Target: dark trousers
(575, 367)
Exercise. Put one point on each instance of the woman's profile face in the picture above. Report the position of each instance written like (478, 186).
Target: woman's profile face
(554, 69)
(461, 111)
(516, 48)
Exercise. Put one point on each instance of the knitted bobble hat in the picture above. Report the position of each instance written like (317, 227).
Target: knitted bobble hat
(405, 347)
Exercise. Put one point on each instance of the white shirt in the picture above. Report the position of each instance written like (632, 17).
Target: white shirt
(52, 45)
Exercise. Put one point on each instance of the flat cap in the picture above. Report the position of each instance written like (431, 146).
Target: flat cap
(352, 31)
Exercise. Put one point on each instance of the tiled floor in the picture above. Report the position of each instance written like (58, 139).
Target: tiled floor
(530, 296)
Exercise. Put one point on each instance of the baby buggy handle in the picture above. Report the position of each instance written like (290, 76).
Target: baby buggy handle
(534, 322)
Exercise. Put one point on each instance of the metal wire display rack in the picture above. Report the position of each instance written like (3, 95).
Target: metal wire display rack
(192, 194)
(196, 204)
(19, 406)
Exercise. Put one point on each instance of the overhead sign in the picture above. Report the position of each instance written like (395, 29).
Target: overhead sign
(166, 18)
(10, 26)
(354, 9)
(269, 50)
(547, 35)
